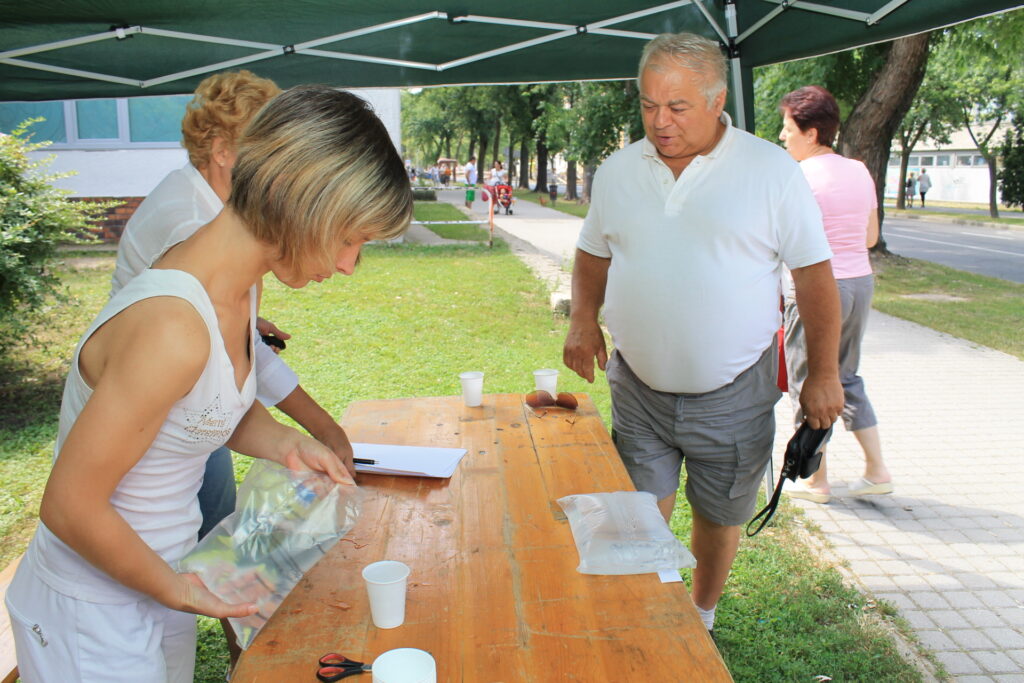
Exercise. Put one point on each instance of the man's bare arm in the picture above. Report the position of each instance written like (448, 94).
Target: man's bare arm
(817, 299)
(585, 340)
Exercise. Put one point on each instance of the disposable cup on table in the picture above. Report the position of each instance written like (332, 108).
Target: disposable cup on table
(546, 380)
(385, 584)
(405, 665)
(472, 388)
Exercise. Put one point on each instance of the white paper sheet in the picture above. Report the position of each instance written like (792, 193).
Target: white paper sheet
(408, 461)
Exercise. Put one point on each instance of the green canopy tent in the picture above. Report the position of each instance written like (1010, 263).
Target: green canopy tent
(66, 49)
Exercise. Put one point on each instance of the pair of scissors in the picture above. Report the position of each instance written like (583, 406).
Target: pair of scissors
(334, 667)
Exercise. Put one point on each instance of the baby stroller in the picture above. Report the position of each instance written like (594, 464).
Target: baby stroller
(503, 197)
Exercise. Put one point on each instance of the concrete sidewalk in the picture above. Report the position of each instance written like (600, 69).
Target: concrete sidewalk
(947, 548)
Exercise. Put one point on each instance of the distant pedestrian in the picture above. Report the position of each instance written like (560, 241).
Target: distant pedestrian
(911, 190)
(924, 183)
(470, 171)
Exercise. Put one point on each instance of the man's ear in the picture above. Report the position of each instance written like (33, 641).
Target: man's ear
(719, 104)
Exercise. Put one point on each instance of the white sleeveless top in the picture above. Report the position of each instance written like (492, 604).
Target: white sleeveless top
(157, 497)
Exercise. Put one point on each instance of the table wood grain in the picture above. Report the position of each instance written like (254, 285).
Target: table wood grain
(494, 594)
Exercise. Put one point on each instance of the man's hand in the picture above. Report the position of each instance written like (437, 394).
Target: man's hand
(817, 299)
(822, 401)
(585, 340)
(336, 440)
(264, 326)
(584, 343)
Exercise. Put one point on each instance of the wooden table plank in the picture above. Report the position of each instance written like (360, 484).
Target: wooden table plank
(494, 593)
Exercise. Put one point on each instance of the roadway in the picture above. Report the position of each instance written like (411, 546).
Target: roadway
(997, 252)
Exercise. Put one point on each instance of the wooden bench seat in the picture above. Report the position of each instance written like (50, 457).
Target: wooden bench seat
(8, 662)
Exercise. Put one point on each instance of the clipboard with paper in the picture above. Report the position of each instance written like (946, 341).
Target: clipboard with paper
(408, 461)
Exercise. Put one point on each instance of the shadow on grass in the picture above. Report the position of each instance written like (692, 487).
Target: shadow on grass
(30, 399)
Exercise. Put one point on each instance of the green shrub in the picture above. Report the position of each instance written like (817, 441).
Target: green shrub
(35, 218)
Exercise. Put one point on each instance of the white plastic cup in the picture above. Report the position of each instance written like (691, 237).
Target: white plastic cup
(405, 665)
(472, 388)
(385, 583)
(546, 380)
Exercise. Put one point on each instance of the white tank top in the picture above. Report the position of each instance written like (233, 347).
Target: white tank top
(157, 497)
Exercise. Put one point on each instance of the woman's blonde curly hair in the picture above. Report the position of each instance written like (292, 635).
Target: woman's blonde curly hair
(223, 105)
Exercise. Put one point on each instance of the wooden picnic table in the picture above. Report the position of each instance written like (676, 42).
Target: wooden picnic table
(494, 594)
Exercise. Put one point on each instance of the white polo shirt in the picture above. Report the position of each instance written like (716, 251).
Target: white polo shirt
(694, 282)
(182, 203)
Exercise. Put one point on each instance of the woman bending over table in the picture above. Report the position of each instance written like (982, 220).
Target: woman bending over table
(165, 374)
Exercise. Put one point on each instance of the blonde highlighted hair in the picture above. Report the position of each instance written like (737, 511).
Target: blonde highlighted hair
(222, 106)
(317, 169)
(695, 53)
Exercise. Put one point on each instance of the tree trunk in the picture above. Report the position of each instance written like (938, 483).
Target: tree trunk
(496, 152)
(472, 148)
(481, 163)
(901, 191)
(542, 165)
(993, 205)
(570, 180)
(524, 165)
(868, 131)
(588, 180)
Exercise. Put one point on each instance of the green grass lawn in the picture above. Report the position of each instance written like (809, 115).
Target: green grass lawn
(565, 206)
(986, 310)
(956, 215)
(405, 325)
(442, 211)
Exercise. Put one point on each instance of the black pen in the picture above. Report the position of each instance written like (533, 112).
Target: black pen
(364, 461)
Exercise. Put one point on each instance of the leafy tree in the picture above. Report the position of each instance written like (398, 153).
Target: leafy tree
(981, 63)
(844, 74)
(867, 132)
(874, 87)
(35, 218)
(1011, 176)
(933, 115)
(587, 120)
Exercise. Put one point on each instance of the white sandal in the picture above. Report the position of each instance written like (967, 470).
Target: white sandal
(803, 493)
(866, 487)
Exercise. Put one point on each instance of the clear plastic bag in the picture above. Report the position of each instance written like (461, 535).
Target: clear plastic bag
(283, 523)
(622, 532)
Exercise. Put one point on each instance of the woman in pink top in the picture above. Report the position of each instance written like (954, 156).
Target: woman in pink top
(846, 195)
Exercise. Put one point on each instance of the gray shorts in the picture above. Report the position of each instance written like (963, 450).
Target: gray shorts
(724, 437)
(855, 300)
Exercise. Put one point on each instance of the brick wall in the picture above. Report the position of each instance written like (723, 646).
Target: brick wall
(110, 226)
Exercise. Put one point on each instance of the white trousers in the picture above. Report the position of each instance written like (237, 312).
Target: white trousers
(59, 638)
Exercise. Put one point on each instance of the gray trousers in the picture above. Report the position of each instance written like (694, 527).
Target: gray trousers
(855, 299)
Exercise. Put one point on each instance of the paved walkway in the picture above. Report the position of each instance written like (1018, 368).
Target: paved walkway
(947, 549)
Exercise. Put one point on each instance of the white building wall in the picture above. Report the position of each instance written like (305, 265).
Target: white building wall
(131, 172)
(957, 184)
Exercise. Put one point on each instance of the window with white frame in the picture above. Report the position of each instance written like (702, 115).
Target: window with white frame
(943, 159)
(101, 123)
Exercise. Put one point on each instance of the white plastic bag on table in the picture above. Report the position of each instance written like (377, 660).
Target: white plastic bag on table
(283, 523)
(622, 532)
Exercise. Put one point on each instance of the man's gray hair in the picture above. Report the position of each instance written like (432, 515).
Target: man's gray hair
(695, 53)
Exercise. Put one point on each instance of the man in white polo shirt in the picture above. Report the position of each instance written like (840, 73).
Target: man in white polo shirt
(684, 246)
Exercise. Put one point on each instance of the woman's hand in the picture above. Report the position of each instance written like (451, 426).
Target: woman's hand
(300, 452)
(195, 598)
